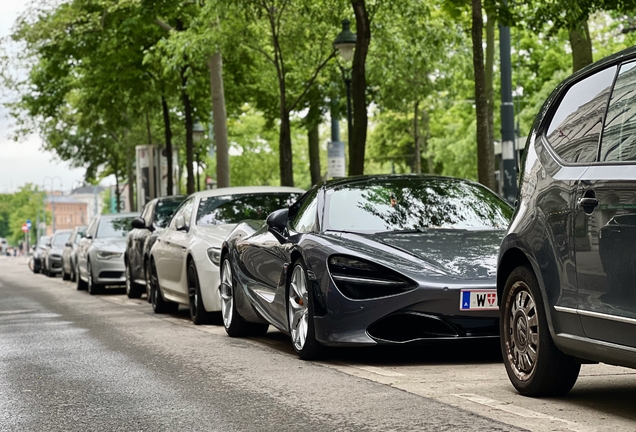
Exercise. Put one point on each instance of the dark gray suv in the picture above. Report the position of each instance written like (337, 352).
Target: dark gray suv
(567, 265)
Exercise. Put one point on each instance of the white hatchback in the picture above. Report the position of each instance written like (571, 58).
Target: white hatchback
(184, 261)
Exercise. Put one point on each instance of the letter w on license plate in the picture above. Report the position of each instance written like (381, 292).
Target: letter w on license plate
(478, 299)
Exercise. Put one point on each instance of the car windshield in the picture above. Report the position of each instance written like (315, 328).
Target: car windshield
(60, 239)
(231, 209)
(114, 227)
(43, 240)
(413, 204)
(164, 212)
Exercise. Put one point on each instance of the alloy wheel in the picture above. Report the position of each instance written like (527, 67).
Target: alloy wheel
(128, 282)
(298, 308)
(227, 294)
(192, 291)
(521, 332)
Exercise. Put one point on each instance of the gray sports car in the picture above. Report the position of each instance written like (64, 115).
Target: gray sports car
(369, 260)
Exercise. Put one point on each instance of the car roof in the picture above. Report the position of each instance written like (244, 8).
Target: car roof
(118, 215)
(375, 178)
(239, 190)
(171, 198)
(61, 231)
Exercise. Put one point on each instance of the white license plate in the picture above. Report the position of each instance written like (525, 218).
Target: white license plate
(478, 299)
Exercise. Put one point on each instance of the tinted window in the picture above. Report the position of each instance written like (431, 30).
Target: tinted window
(164, 211)
(408, 204)
(305, 218)
(575, 129)
(230, 209)
(114, 227)
(619, 134)
(61, 238)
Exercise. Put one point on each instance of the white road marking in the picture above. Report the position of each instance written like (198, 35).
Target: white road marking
(522, 412)
(378, 371)
(10, 312)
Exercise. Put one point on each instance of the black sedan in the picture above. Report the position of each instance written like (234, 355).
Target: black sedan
(369, 260)
(155, 216)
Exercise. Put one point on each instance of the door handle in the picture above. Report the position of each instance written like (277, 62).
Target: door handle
(183, 248)
(588, 202)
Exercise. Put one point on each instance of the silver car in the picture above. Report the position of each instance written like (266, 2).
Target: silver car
(52, 258)
(100, 255)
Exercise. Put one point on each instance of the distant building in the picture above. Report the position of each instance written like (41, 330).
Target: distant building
(66, 211)
(91, 195)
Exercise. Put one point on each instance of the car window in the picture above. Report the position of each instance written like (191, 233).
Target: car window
(619, 134)
(305, 220)
(231, 209)
(575, 128)
(146, 214)
(414, 204)
(60, 239)
(181, 211)
(164, 211)
(114, 227)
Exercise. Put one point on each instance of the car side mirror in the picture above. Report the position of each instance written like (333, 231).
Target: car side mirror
(68, 244)
(48, 244)
(277, 221)
(138, 223)
(179, 223)
(88, 236)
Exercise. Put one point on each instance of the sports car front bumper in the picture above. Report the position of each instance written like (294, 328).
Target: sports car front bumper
(429, 312)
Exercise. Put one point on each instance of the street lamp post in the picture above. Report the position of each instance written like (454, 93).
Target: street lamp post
(52, 197)
(345, 43)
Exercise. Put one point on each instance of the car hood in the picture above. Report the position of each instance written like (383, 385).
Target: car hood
(214, 234)
(460, 254)
(56, 250)
(114, 244)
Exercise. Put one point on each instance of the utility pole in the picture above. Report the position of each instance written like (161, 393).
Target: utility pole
(508, 148)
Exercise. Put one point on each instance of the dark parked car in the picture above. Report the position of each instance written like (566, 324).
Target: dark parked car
(155, 216)
(369, 260)
(69, 256)
(52, 256)
(37, 254)
(567, 265)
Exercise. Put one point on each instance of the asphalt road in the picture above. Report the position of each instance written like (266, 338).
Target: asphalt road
(71, 361)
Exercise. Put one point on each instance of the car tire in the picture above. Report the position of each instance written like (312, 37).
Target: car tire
(159, 305)
(235, 325)
(133, 290)
(535, 366)
(65, 276)
(73, 273)
(198, 314)
(147, 275)
(300, 314)
(80, 284)
(92, 287)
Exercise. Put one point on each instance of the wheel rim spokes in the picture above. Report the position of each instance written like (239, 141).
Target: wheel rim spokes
(227, 294)
(192, 291)
(522, 332)
(298, 308)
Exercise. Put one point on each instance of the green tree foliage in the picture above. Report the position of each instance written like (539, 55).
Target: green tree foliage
(15, 209)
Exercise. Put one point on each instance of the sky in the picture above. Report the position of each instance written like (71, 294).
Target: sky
(26, 162)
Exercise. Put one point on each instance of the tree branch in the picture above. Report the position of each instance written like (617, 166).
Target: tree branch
(164, 25)
(311, 81)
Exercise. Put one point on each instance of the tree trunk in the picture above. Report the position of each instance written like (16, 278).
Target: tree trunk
(130, 174)
(581, 46)
(284, 142)
(430, 166)
(215, 64)
(489, 74)
(313, 138)
(285, 149)
(117, 193)
(485, 152)
(187, 108)
(359, 89)
(148, 129)
(417, 165)
(168, 135)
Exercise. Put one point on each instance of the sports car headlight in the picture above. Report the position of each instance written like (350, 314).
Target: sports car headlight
(108, 254)
(215, 255)
(359, 279)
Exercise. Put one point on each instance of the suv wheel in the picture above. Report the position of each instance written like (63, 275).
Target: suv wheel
(535, 366)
